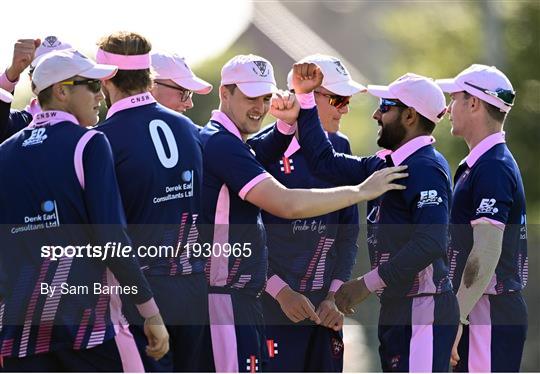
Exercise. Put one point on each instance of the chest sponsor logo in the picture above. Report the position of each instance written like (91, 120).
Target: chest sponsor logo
(487, 206)
(429, 197)
(37, 136)
(178, 191)
(48, 218)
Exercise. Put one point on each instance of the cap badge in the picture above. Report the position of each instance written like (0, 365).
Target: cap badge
(261, 67)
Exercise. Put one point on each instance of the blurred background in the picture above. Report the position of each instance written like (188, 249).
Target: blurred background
(376, 40)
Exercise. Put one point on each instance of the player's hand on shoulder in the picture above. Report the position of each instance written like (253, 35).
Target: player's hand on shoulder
(382, 181)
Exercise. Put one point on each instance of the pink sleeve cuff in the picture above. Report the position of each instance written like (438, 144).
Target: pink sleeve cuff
(284, 128)
(335, 285)
(306, 101)
(373, 280)
(274, 285)
(252, 183)
(6, 84)
(485, 220)
(148, 309)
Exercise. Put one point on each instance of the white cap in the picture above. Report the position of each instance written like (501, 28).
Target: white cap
(336, 77)
(5, 96)
(58, 66)
(417, 92)
(174, 67)
(49, 44)
(253, 75)
(487, 79)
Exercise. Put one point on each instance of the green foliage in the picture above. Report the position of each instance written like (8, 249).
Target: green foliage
(444, 38)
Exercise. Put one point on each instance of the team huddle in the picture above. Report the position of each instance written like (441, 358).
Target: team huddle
(265, 221)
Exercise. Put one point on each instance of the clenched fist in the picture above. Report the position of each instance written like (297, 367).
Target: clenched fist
(23, 54)
(306, 77)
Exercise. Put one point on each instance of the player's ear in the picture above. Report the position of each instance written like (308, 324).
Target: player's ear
(60, 92)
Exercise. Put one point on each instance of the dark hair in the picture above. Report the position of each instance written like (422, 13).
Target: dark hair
(426, 125)
(494, 112)
(128, 44)
(45, 96)
(230, 87)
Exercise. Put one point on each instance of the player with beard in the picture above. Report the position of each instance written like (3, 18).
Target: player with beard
(407, 235)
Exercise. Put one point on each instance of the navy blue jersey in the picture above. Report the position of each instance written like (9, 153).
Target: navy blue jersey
(408, 239)
(158, 164)
(12, 121)
(309, 254)
(59, 188)
(488, 186)
(231, 169)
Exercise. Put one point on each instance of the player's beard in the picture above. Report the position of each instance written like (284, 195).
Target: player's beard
(392, 134)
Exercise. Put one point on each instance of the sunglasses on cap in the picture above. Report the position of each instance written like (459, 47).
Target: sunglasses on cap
(337, 101)
(506, 96)
(94, 85)
(185, 94)
(385, 105)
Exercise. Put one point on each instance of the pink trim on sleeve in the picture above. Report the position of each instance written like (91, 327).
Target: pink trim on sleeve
(6, 84)
(148, 309)
(374, 281)
(252, 183)
(306, 101)
(78, 157)
(485, 220)
(285, 128)
(335, 285)
(274, 285)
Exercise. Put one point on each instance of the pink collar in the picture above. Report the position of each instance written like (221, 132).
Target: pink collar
(50, 118)
(33, 107)
(485, 145)
(131, 102)
(294, 146)
(407, 149)
(226, 122)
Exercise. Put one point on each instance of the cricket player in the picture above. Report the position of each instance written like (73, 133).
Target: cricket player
(175, 83)
(235, 188)
(309, 259)
(26, 52)
(488, 233)
(62, 191)
(407, 235)
(158, 164)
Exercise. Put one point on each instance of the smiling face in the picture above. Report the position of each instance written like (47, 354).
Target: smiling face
(247, 113)
(329, 115)
(391, 130)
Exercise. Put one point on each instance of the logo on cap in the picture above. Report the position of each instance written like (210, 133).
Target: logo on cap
(51, 41)
(261, 66)
(340, 68)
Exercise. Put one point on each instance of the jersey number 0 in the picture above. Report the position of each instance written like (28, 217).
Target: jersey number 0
(167, 161)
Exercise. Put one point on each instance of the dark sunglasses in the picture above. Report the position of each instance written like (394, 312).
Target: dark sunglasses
(506, 96)
(385, 105)
(185, 94)
(337, 101)
(94, 85)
